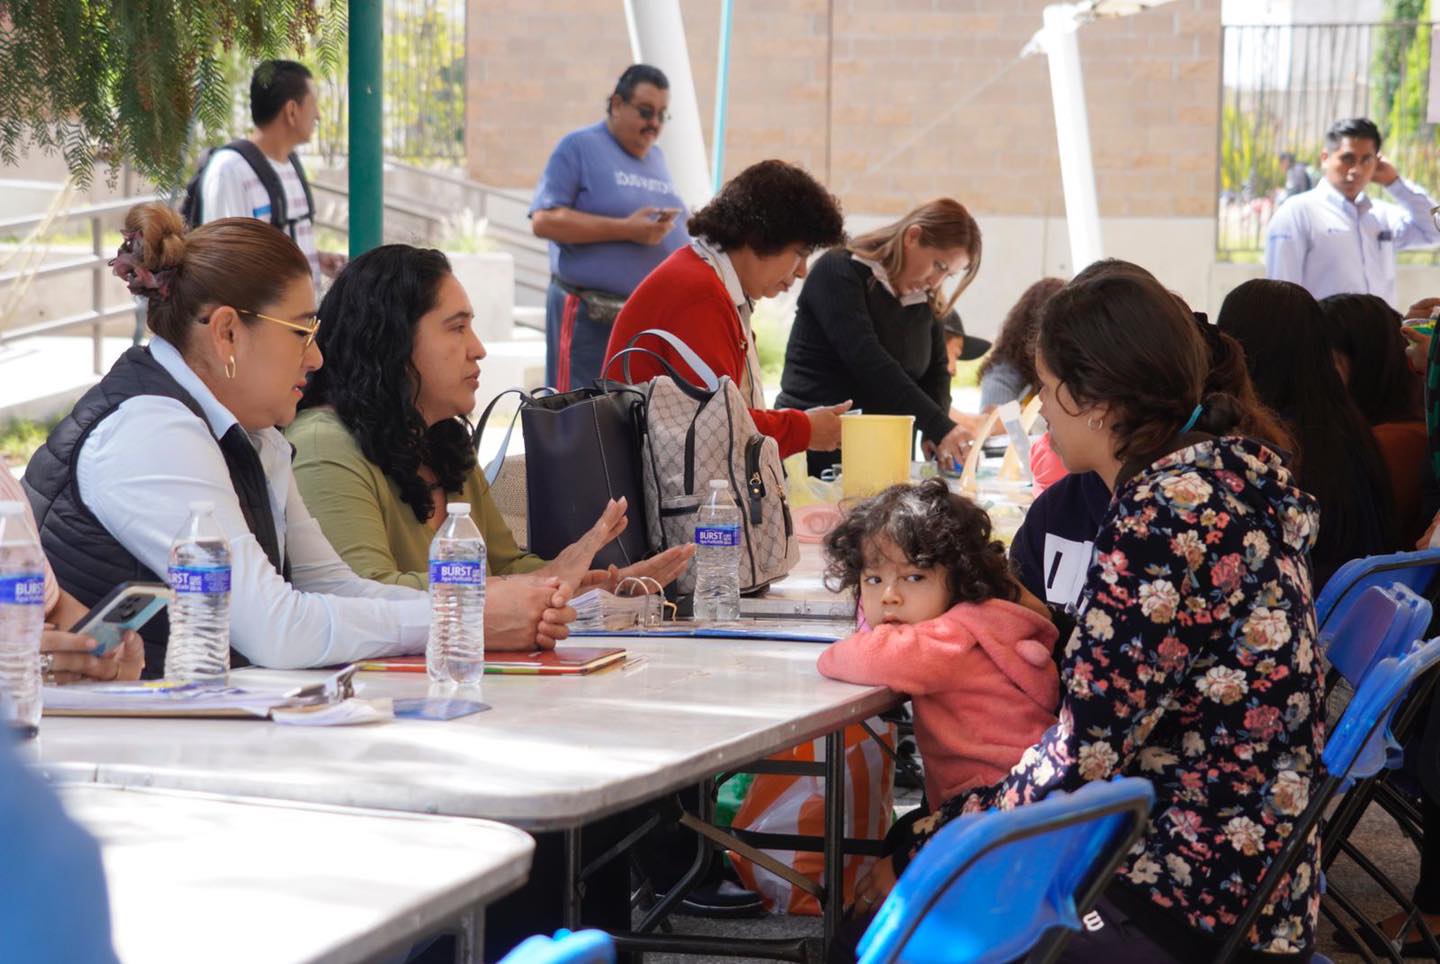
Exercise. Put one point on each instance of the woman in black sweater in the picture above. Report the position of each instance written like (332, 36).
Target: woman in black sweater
(869, 325)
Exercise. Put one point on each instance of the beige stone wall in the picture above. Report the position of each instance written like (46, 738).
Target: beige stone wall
(889, 101)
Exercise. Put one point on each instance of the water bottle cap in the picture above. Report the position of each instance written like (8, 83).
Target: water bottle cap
(719, 484)
(202, 505)
(457, 508)
(12, 508)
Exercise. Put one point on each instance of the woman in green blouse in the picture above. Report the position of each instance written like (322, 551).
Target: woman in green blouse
(381, 444)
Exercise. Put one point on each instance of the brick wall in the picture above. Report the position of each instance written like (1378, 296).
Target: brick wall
(889, 101)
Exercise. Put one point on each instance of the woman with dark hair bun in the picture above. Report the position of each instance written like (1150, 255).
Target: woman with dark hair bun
(1390, 396)
(750, 242)
(1193, 661)
(381, 442)
(194, 416)
(1292, 363)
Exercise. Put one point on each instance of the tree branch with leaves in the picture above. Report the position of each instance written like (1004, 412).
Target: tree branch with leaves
(105, 82)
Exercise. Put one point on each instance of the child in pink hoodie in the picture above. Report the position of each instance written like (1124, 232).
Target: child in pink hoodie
(945, 628)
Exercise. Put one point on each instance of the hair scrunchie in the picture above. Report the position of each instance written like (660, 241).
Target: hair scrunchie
(139, 279)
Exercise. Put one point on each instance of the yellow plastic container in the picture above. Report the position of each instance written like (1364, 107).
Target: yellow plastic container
(874, 452)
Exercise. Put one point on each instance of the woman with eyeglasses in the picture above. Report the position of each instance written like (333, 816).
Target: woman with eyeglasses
(870, 325)
(751, 241)
(196, 416)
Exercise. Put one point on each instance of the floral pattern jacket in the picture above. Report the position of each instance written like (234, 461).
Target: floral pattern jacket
(1193, 665)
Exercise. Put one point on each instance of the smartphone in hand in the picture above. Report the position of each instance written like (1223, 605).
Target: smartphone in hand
(128, 606)
(666, 214)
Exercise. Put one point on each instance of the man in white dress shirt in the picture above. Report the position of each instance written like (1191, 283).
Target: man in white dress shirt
(1334, 239)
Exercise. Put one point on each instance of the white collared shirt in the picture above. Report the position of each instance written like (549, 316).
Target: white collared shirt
(142, 466)
(751, 386)
(1330, 245)
(883, 276)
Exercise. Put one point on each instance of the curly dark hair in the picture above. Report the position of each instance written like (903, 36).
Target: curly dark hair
(1016, 343)
(932, 526)
(767, 207)
(367, 334)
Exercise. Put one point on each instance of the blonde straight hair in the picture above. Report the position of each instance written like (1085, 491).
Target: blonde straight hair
(943, 223)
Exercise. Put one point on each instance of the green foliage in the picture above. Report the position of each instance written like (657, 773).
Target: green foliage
(1248, 151)
(108, 81)
(1390, 52)
(20, 437)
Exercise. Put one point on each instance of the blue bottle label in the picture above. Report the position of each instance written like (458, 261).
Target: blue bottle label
(719, 536)
(457, 572)
(200, 579)
(23, 590)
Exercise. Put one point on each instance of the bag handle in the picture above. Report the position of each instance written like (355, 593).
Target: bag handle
(687, 354)
(696, 392)
(493, 469)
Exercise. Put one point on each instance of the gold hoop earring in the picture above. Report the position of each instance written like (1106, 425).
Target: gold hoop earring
(1094, 424)
(230, 367)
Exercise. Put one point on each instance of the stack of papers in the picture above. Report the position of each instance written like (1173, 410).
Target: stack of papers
(599, 612)
(164, 698)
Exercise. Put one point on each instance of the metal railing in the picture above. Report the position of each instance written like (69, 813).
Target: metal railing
(426, 220)
(95, 263)
(1283, 86)
(408, 219)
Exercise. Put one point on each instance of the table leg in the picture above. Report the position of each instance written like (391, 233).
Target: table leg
(470, 937)
(834, 833)
(570, 909)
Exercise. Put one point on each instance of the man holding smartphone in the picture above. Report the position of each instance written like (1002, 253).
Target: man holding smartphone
(608, 207)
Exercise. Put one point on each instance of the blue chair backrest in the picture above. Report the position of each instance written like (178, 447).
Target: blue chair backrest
(581, 947)
(1375, 624)
(1361, 744)
(990, 885)
(1414, 570)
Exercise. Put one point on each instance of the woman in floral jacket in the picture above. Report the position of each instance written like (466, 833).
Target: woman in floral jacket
(1193, 663)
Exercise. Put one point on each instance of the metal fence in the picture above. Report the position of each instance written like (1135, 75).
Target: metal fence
(1283, 85)
(424, 121)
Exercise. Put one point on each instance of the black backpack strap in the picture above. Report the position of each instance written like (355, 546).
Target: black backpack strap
(305, 184)
(269, 180)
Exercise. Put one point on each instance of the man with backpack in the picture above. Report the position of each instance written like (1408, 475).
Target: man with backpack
(261, 176)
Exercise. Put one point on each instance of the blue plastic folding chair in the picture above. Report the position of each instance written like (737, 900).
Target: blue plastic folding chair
(1360, 746)
(580, 947)
(1371, 625)
(1377, 624)
(1414, 570)
(998, 885)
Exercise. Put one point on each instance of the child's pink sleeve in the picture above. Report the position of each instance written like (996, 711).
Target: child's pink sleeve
(909, 659)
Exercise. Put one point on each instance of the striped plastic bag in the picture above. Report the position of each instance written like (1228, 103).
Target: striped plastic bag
(796, 805)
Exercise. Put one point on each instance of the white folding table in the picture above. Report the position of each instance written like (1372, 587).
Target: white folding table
(201, 877)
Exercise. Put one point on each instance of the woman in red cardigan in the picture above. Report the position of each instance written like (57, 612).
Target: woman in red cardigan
(752, 241)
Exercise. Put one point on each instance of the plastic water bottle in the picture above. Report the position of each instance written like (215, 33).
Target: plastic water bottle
(717, 557)
(199, 647)
(22, 618)
(455, 651)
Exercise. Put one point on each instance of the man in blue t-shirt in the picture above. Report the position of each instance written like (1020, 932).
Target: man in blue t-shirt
(611, 214)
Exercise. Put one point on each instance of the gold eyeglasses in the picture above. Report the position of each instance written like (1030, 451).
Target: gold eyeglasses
(310, 331)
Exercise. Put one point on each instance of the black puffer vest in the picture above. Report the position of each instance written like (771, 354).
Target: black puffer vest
(87, 559)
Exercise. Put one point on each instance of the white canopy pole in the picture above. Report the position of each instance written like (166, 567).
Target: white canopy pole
(657, 38)
(1072, 132)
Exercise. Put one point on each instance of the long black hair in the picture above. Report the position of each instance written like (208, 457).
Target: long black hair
(367, 334)
(1367, 332)
(1291, 359)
